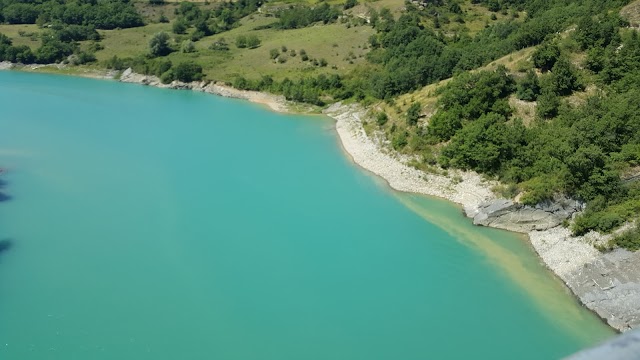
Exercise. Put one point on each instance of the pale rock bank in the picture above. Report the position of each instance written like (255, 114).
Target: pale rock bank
(606, 283)
(275, 102)
(5, 65)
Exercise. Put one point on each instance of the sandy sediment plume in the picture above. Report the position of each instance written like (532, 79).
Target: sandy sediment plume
(607, 283)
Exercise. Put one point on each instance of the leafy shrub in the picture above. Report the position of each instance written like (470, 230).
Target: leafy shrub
(187, 46)
(546, 56)
(413, 113)
(159, 44)
(381, 118)
(188, 71)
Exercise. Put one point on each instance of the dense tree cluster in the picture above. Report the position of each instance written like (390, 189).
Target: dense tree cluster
(312, 90)
(66, 23)
(101, 14)
(413, 55)
(16, 54)
(303, 16)
(57, 44)
(208, 22)
(251, 41)
(161, 67)
(467, 98)
(583, 151)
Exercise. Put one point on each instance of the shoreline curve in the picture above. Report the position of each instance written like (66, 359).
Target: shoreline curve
(606, 283)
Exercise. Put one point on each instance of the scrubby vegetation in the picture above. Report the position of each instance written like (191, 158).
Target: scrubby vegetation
(103, 14)
(585, 149)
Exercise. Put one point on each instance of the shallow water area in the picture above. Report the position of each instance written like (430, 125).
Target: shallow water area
(157, 224)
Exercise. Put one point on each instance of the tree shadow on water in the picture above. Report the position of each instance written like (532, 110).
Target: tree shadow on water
(3, 196)
(5, 245)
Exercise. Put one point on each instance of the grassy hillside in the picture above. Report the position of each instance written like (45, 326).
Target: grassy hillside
(576, 133)
(342, 43)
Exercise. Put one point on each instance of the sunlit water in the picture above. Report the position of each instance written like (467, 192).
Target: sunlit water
(156, 224)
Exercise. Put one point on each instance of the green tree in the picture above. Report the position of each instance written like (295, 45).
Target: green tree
(597, 33)
(159, 44)
(241, 42)
(546, 56)
(485, 145)
(381, 118)
(188, 71)
(529, 87)
(413, 113)
(202, 27)
(187, 46)
(52, 50)
(252, 42)
(565, 80)
(180, 26)
(350, 3)
(548, 104)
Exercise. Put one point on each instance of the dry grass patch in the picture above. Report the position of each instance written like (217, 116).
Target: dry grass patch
(128, 42)
(22, 34)
(631, 12)
(513, 62)
(525, 110)
(580, 97)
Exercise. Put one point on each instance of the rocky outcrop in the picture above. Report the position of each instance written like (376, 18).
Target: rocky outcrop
(606, 283)
(610, 286)
(5, 65)
(509, 215)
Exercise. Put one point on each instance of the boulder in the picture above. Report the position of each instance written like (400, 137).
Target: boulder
(510, 215)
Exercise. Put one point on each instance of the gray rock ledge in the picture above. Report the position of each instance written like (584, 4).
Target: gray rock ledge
(509, 215)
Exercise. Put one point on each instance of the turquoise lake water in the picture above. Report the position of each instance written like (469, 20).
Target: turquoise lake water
(157, 224)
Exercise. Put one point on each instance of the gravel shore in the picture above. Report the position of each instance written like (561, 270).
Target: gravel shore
(274, 102)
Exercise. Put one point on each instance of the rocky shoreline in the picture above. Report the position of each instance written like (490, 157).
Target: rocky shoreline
(606, 283)
(274, 102)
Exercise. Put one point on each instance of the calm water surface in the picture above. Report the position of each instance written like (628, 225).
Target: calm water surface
(155, 224)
